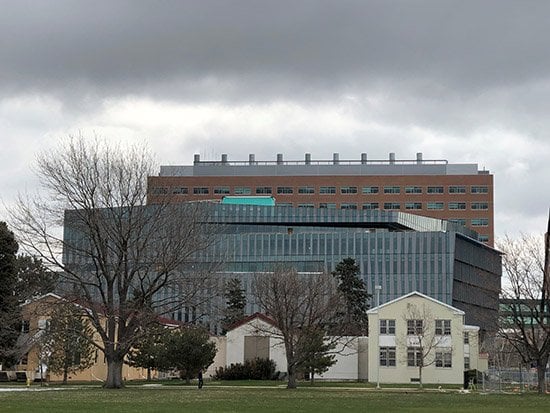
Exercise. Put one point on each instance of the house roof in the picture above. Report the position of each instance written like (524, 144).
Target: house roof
(248, 319)
(42, 297)
(418, 294)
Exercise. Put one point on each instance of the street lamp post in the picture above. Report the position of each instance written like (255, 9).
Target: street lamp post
(377, 289)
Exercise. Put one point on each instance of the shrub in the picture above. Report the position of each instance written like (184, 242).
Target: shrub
(256, 369)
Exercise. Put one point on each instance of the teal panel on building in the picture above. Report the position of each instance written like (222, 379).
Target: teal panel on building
(249, 200)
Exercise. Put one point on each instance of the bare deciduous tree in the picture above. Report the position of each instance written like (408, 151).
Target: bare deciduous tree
(124, 261)
(299, 304)
(422, 339)
(525, 317)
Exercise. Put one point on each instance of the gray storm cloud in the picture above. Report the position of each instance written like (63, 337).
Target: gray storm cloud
(258, 47)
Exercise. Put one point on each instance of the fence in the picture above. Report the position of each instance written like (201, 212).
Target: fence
(511, 380)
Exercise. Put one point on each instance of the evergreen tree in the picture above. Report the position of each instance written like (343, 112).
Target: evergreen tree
(33, 279)
(317, 357)
(67, 342)
(235, 303)
(150, 351)
(9, 311)
(355, 294)
(189, 350)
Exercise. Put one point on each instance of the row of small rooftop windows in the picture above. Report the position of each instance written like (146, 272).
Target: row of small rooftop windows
(411, 206)
(323, 190)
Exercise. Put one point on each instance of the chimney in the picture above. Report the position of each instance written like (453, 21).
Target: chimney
(196, 159)
(419, 158)
(363, 158)
(392, 157)
(308, 159)
(336, 158)
(224, 158)
(251, 159)
(279, 159)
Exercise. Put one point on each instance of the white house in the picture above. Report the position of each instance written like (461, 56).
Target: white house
(416, 330)
(251, 338)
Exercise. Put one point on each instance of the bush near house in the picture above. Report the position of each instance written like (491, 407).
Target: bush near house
(256, 369)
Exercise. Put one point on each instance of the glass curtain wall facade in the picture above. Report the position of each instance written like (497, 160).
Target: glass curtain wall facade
(400, 252)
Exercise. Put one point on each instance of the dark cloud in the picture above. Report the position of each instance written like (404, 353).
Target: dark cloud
(271, 48)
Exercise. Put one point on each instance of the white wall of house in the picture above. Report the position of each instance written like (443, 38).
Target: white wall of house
(255, 327)
(349, 353)
(220, 358)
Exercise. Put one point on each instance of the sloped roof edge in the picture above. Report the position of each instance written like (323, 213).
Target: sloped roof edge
(419, 294)
(251, 317)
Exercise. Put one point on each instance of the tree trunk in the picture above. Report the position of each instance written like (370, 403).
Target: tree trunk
(420, 376)
(114, 374)
(541, 373)
(148, 373)
(291, 378)
(65, 375)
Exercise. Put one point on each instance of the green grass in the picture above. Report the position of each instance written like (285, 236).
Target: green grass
(260, 399)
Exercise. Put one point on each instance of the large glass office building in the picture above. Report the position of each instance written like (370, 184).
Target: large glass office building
(398, 251)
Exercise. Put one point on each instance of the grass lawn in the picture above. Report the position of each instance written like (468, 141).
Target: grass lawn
(212, 398)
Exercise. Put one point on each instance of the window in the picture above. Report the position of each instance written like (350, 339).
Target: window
(387, 327)
(306, 205)
(221, 190)
(160, 191)
(285, 204)
(459, 221)
(284, 190)
(435, 205)
(392, 205)
(370, 189)
(348, 206)
(413, 189)
(242, 190)
(443, 359)
(348, 190)
(202, 190)
(327, 190)
(392, 190)
(483, 238)
(435, 190)
(466, 338)
(457, 189)
(387, 356)
(327, 205)
(180, 190)
(479, 206)
(43, 324)
(413, 205)
(414, 356)
(457, 205)
(308, 190)
(466, 363)
(442, 327)
(414, 327)
(25, 326)
(480, 222)
(479, 190)
(262, 190)
(371, 205)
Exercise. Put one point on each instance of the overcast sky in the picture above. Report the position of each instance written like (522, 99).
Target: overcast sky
(466, 81)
